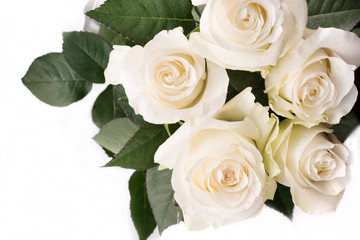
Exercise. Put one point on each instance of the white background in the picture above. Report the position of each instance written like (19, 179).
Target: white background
(52, 185)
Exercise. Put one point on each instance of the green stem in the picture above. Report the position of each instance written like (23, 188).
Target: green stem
(167, 129)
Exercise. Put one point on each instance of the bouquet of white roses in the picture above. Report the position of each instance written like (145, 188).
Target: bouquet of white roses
(221, 106)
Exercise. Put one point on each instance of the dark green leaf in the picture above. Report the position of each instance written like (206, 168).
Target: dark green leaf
(282, 201)
(106, 106)
(114, 135)
(344, 14)
(138, 153)
(108, 153)
(141, 20)
(239, 80)
(141, 213)
(231, 92)
(161, 198)
(357, 31)
(347, 124)
(129, 111)
(52, 81)
(112, 103)
(87, 54)
(197, 11)
(113, 37)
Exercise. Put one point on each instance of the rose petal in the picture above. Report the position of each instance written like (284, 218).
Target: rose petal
(199, 2)
(303, 139)
(314, 202)
(334, 39)
(188, 130)
(243, 105)
(344, 106)
(113, 71)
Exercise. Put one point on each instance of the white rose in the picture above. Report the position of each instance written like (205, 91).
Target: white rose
(90, 24)
(218, 171)
(249, 34)
(314, 81)
(165, 81)
(313, 163)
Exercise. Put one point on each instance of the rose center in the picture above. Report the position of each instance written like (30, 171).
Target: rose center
(314, 90)
(244, 22)
(246, 18)
(175, 80)
(322, 165)
(230, 174)
(327, 163)
(170, 74)
(228, 177)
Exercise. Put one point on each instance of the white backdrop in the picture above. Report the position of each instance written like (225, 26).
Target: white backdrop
(52, 186)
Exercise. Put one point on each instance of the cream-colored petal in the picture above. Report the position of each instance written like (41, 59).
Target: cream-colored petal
(277, 76)
(243, 105)
(209, 101)
(344, 107)
(175, 145)
(195, 222)
(314, 202)
(299, 10)
(199, 2)
(279, 151)
(346, 44)
(301, 139)
(229, 59)
(116, 64)
(272, 168)
(342, 76)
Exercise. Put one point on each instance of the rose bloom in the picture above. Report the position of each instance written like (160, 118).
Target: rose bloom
(313, 163)
(218, 171)
(248, 34)
(165, 81)
(314, 81)
(90, 24)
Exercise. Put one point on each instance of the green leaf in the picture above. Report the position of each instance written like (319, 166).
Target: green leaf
(113, 37)
(356, 31)
(239, 80)
(197, 12)
(87, 54)
(347, 124)
(107, 107)
(138, 153)
(141, 20)
(108, 152)
(140, 209)
(282, 201)
(112, 103)
(161, 198)
(52, 81)
(114, 135)
(129, 111)
(344, 14)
